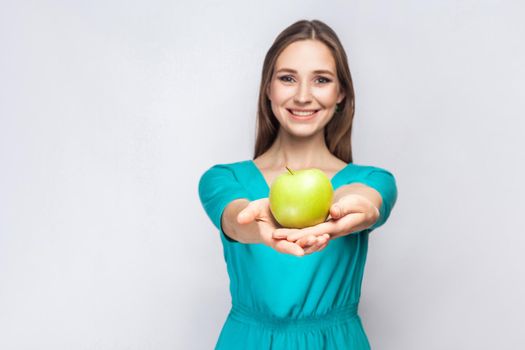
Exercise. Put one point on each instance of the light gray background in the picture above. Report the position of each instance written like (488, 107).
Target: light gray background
(111, 111)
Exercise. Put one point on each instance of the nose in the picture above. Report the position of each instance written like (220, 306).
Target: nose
(303, 93)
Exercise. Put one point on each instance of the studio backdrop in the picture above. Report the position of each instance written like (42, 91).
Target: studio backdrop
(111, 111)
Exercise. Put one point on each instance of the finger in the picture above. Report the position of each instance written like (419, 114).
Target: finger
(313, 240)
(306, 241)
(349, 224)
(352, 223)
(349, 204)
(319, 243)
(286, 247)
(283, 233)
(344, 207)
(316, 230)
(322, 246)
(249, 213)
(323, 240)
(335, 211)
(264, 204)
(309, 250)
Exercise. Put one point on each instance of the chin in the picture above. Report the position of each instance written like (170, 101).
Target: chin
(302, 131)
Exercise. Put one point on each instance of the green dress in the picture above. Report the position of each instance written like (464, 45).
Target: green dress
(281, 301)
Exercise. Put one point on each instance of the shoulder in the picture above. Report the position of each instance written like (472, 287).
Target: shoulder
(379, 178)
(361, 170)
(223, 171)
(227, 167)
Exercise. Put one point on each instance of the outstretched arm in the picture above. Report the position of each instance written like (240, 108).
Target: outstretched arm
(252, 222)
(356, 188)
(365, 203)
(354, 208)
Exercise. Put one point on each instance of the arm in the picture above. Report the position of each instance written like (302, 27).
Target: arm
(239, 220)
(356, 207)
(252, 222)
(243, 233)
(365, 203)
(354, 210)
(360, 189)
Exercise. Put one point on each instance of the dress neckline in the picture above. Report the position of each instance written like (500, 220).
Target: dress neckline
(263, 179)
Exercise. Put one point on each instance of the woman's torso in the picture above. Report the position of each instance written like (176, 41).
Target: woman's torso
(282, 285)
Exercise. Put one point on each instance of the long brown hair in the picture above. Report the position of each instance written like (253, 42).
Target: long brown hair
(338, 131)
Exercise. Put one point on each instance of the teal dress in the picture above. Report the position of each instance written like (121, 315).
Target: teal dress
(282, 301)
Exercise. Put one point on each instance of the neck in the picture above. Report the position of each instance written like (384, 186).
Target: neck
(298, 152)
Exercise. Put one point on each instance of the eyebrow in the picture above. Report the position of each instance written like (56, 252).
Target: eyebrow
(319, 71)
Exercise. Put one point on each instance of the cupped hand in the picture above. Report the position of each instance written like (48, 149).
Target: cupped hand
(352, 213)
(259, 211)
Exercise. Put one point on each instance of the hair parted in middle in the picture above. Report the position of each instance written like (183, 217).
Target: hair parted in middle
(338, 131)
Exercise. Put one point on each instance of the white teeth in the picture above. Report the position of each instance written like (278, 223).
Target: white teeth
(303, 113)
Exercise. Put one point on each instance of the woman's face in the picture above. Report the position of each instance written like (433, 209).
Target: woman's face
(304, 80)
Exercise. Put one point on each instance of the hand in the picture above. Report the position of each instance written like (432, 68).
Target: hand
(312, 243)
(259, 211)
(352, 213)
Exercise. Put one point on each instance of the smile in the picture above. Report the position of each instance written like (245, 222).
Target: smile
(302, 114)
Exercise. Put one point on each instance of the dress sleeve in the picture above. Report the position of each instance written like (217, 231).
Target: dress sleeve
(218, 186)
(383, 182)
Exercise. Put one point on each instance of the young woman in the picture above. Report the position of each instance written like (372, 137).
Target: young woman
(298, 288)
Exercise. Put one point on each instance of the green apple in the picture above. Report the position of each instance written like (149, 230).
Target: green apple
(301, 198)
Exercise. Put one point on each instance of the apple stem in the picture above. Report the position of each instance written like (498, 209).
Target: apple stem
(291, 172)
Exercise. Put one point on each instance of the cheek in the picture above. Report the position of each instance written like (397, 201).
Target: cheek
(280, 92)
(326, 96)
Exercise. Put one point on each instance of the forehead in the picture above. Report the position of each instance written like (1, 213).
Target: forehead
(306, 55)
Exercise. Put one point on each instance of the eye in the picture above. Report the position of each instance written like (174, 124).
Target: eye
(285, 78)
(324, 80)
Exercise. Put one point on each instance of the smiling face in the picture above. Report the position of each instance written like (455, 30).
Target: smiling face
(304, 81)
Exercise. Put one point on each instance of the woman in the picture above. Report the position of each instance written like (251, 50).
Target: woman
(298, 288)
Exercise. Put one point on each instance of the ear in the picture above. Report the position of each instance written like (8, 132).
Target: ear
(268, 91)
(341, 96)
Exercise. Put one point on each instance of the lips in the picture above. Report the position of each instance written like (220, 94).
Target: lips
(302, 112)
(305, 116)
